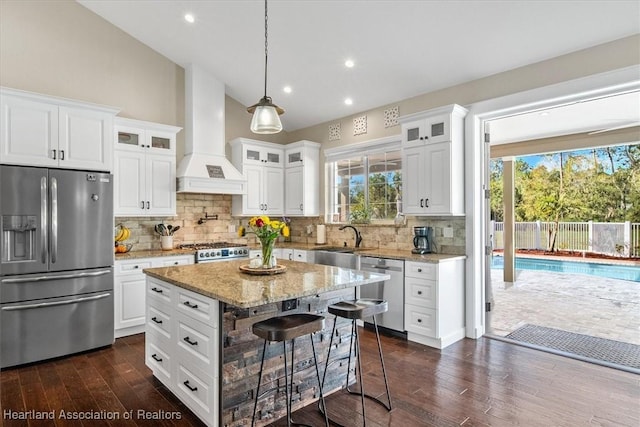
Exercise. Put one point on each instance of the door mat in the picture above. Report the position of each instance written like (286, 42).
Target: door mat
(610, 351)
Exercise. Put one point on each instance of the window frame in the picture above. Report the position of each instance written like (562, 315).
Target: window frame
(347, 152)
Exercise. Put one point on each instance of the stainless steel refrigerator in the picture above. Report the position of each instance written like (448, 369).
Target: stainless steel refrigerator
(56, 262)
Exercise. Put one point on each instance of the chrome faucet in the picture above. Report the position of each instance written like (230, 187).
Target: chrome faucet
(358, 235)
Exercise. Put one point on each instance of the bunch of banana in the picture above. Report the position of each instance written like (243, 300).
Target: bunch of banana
(122, 234)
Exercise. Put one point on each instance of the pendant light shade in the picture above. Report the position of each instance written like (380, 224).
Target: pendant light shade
(265, 117)
(265, 113)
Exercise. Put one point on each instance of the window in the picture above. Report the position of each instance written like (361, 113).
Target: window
(365, 187)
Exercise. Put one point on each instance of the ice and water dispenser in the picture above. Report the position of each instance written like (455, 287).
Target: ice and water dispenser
(18, 238)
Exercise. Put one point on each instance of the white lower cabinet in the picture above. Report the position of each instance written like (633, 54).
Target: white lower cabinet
(282, 253)
(129, 291)
(183, 351)
(434, 302)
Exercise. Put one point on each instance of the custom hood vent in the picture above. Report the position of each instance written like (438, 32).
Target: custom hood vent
(205, 168)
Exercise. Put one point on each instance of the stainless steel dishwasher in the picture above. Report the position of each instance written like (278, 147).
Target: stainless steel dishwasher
(391, 290)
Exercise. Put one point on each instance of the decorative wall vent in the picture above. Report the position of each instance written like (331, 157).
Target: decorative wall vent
(359, 125)
(334, 132)
(391, 117)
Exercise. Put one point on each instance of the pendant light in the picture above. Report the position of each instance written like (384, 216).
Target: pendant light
(265, 113)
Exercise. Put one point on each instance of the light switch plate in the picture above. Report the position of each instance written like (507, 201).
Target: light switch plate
(447, 232)
(231, 228)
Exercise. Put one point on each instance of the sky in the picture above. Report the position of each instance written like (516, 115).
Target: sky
(551, 160)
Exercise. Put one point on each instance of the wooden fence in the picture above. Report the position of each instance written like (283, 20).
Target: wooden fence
(609, 238)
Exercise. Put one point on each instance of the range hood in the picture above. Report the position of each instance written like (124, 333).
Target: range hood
(205, 168)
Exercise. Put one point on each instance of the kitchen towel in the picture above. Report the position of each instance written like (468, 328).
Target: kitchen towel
(321, 235)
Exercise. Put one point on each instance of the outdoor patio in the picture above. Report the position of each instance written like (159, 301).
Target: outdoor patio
(589, 305)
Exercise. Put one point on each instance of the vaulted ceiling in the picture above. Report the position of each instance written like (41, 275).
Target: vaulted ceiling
(399, 48)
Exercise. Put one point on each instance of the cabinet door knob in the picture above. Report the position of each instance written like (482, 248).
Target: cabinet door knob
(419, 292)
(136, 266)
(419, 270)
(419, 320)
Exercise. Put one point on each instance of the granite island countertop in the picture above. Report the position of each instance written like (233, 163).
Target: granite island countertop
(225, 282)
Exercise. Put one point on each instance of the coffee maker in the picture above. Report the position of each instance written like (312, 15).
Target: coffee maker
(422, 240)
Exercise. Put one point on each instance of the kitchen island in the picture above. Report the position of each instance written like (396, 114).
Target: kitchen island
(199, 341)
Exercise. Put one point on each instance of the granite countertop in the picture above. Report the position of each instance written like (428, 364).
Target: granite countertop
(379, 252)
(225, 282)
(372, 252)
(154, 253)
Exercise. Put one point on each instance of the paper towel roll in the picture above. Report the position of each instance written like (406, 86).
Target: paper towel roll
(321, 235)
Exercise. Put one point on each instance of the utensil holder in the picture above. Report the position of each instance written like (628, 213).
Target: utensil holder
(166, 242)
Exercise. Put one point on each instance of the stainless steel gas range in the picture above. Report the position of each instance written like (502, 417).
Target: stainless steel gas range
(217, 251)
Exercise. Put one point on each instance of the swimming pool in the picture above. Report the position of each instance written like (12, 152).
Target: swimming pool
(612, 271)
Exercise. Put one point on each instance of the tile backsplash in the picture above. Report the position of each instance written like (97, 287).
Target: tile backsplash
(190, 208)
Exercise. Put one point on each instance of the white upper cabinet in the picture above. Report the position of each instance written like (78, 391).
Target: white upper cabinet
(38, 130)
(302, 169)
(281, 179)
(262, 155)
(145, 168)
(433, 162)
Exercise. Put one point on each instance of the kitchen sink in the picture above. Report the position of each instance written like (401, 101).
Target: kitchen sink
(336, 256)
(336, 249)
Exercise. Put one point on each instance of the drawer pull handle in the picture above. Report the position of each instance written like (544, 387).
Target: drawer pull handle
(188, 304)
(155, 319)
(419, 270)
(188, 341)
(186, 384)
(419, 320)
(176, 263)
(156, 358)
(136, 266)
(156, 290)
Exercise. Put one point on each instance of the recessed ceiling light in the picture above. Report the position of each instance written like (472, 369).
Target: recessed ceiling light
(349, 63)
(348, 101)
(287, 89)
(189, 18)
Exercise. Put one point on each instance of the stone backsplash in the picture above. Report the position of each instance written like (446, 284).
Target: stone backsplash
(191, 207)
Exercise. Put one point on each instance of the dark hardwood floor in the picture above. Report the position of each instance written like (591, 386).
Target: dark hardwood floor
(471, 383)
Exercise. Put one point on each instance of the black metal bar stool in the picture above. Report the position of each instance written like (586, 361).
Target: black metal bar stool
(282, 329)
(358, 310)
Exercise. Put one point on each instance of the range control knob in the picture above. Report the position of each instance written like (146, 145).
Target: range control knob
(201, 255)
(218, 253)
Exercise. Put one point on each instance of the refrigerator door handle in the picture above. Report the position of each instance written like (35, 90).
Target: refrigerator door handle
(54, 220)
(44, 208)
(50, 304)
(57, 277)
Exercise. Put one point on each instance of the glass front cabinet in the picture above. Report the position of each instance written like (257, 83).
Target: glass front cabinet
(433, 162)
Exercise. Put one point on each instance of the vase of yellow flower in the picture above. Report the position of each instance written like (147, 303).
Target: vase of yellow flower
(267, 231)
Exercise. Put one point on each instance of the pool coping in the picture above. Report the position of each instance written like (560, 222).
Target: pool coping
(625, 262)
